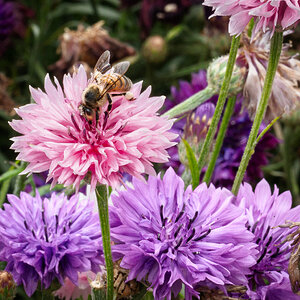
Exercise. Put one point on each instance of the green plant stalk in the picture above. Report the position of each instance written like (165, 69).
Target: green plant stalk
(190, 103)
(220, 104)
(275, 50)
(220, 138)
(102, 201)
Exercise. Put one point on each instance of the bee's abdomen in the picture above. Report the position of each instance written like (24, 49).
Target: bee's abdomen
(117, 83)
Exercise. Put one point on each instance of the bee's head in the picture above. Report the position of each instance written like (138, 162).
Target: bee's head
(91, 95)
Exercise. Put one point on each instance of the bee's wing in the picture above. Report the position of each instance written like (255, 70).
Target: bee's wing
(121, 67)
(103, 64)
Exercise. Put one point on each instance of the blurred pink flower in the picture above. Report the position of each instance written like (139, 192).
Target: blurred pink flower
(56, 138)
(267, 13)
(70, 291)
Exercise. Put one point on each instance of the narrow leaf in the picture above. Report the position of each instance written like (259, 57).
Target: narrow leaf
(193, 165)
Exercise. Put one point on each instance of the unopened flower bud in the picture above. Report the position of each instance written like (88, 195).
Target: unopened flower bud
(195, 130)
(216, 73)
(155, 49)
(7, 285)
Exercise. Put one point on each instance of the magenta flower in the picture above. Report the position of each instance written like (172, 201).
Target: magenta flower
(267, 13)
(171, 237)
(265, 211)
(46, 239)
(56, 138)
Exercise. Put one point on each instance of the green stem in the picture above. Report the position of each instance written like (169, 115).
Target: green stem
(276, 46)
(190, 103)
(220, 104)
(102, 200)
(220, 138)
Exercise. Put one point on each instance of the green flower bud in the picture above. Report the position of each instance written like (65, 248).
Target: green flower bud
(216, 73)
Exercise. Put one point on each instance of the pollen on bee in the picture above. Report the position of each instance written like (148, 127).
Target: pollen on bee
(129, 96)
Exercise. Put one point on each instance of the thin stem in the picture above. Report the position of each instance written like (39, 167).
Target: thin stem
(102, 200)
(220, 104)
(276, 46)
(190, 103)
(220, 138)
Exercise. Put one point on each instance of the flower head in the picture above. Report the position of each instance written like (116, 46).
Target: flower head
(171, 237)
(285, 92)
(44, 239)
(265, 211)
(7, 19)
(13, 17)
(71, 291)
(55, 136)
(82, 46)
(268, 14)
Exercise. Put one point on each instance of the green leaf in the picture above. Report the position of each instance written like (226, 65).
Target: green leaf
(45, 189)
(193, 165)
(11, 173)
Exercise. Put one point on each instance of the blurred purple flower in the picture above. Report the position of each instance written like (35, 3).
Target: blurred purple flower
(265, 211)
(44, 239)
(234, 142)
(171, 237)
(168, 10)
(13, 17)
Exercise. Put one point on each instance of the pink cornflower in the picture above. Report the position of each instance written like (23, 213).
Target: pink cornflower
(266, 13)
(69, 291)
(57, 138)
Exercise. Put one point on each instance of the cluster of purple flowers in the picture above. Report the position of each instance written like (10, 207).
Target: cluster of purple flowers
(171, 237)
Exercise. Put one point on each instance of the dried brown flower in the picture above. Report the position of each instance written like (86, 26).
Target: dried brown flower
(285, 92)
(7, 285)
(217, 294)
(294, 262)
(85, 45)
(6, 102)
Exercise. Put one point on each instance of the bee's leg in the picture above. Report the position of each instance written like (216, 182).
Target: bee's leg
(97, 116)
(128, 95)
(106, 113)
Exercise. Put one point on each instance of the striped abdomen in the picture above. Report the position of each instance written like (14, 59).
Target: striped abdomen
(115, 83)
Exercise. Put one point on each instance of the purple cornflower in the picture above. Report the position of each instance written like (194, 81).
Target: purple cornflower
(169, 236)
(44, 239)
(235, 139)
(265, 211)
(13, 17)
(7, 22)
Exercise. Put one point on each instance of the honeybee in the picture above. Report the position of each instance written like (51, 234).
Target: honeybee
(104, 81)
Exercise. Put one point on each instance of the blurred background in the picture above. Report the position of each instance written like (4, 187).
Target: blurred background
(165, 42)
